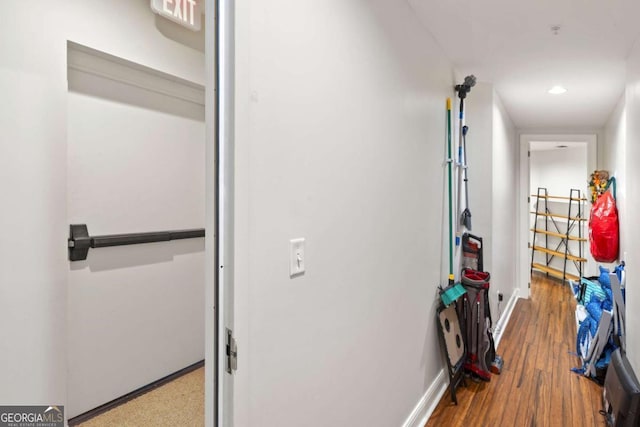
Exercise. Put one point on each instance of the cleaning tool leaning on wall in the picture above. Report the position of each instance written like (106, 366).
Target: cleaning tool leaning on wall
(449, 328)
(464, 216)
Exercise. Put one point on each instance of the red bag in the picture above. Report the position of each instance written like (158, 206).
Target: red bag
(603, 228)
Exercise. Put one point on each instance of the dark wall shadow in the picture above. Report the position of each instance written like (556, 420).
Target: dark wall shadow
(118, 257)
(101, 87)
(173, 31)
(432, 347)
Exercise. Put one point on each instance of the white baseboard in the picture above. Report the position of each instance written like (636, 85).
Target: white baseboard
(504, 320)
(427, 404)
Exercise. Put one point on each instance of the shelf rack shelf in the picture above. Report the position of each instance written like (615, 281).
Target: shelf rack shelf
(561, 228)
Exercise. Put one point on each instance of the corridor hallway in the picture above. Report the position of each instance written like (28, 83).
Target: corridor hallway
(536, 386)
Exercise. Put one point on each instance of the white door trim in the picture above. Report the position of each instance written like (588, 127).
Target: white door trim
(219, 218)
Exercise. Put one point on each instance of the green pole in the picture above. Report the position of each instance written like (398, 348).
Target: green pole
(449, 161)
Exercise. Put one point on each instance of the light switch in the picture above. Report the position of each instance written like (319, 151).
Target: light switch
(296, 257)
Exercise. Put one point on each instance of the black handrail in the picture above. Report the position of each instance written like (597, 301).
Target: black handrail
(79, 240)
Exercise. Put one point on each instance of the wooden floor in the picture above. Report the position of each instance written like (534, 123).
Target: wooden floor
(536, 387)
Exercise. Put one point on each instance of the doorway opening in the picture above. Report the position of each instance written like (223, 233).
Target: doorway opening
(554, 170)
(135, 312)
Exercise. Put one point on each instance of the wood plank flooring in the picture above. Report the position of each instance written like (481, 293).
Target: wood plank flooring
(536, 386)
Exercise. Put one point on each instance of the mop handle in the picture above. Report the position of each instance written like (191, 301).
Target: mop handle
(451, 276)
(460, 164)
(461, 124)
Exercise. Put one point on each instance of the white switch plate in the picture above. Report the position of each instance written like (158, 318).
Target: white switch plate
(296, 257)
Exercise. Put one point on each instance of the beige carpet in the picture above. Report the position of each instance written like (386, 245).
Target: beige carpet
(178, 403)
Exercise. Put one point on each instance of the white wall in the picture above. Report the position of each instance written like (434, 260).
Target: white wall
(33, 168)
(33, 187)
(614, 160)
(480, 142)
(559, 170)
(632, 202)
(504, 188)
(340, 139)
(620, 154)
(492, 149)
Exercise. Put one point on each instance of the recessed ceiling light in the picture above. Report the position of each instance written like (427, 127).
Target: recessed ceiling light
(557, 90)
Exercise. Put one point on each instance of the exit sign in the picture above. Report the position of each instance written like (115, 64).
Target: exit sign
(183, 12)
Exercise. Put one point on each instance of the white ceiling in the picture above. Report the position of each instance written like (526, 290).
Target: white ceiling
(510, 44)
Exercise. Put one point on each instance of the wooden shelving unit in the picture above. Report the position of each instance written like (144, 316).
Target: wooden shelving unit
(558, 229)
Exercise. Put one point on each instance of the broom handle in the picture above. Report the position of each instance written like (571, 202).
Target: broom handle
(449, 161)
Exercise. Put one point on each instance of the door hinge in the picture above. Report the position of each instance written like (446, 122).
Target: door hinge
(232, 353)
(528, 199)
(528, 153)
(529, 285)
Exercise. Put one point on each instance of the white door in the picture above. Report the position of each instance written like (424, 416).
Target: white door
(136, 148)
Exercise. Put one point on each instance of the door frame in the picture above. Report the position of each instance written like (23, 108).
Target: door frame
(523, 253)
(219, 215)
